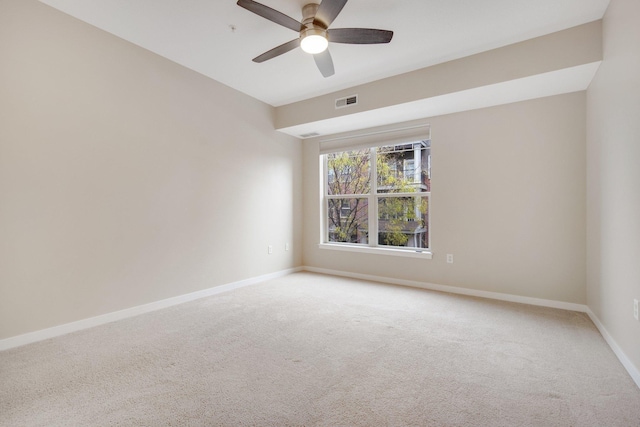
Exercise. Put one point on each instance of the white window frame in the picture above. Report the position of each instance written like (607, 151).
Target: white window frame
(372, 197)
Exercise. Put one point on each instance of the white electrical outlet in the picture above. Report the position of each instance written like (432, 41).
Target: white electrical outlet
(450, 258)
(635, 309)
(286, 246)
(270, 249)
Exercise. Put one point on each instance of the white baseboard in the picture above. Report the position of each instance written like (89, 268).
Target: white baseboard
(455, 290)
(629, 366)
(79, 325)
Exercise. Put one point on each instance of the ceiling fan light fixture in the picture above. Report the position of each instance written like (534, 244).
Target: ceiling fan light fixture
(313, 40)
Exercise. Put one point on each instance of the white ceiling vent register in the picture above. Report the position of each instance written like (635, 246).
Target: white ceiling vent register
(346, 101)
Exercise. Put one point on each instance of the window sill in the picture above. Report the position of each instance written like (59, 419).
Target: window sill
(425, 254)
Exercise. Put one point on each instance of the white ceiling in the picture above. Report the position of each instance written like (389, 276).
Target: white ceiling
(198, 34)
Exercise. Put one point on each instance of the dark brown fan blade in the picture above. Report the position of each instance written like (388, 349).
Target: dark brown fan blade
(324, 63)
(328, 10)
(270, 14)
(277, 51)
(359, 36)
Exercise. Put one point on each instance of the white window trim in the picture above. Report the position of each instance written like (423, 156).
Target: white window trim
(372, 246)
(366, 249)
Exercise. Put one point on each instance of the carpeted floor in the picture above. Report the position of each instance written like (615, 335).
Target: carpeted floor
(308, 350)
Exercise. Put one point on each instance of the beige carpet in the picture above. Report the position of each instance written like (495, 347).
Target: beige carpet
(310, 350)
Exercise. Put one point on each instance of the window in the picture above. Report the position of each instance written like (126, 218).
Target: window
(378, 197)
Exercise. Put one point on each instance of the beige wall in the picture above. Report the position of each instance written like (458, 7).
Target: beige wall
(613, 171)
(508, 200)
(125, 178)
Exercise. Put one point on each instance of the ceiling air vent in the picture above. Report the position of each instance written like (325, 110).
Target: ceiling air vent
(347, 101)
(309, 135)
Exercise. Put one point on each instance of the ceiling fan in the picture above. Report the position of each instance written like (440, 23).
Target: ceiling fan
(315, 34)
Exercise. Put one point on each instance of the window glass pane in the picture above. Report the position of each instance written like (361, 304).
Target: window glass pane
(404, 168)
(347, 220)
(349, 172)
(403, 221)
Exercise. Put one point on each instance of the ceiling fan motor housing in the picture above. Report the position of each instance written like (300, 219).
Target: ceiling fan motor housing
(313, 34)
(311, 27)
(314, 31)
